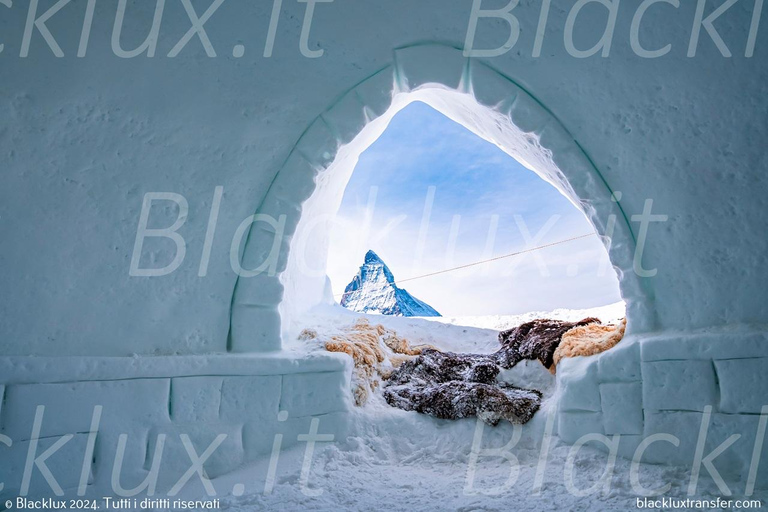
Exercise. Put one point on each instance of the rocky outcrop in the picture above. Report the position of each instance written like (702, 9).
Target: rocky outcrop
(450, 385)
(456, 400)
(537, 339)
(455, 386)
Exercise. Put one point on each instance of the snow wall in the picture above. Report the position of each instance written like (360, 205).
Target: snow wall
(86, 138)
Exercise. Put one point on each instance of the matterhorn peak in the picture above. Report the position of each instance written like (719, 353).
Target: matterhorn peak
(372, 257)
(373, 290)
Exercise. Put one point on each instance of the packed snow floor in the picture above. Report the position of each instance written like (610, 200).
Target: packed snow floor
(395, 460)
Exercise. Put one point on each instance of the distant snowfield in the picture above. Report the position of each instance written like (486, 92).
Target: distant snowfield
(479, 334)
(607, 314)
(395, 460)
(475, 334)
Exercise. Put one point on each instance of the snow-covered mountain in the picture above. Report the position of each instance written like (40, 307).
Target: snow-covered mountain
(373, 290)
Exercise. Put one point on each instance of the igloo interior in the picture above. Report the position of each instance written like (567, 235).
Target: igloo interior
(229, 134)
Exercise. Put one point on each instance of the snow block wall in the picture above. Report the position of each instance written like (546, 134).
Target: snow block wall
(240, 404)
(83, 156)
(709, 383)
(85, 138)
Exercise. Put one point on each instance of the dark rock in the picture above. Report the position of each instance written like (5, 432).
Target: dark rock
(459, 399)
(453, 386)
(438, 367)
(537, 339)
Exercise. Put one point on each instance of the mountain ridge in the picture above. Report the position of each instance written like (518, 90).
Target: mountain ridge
(374, 290)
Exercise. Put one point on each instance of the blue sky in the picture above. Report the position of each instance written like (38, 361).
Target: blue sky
(483, 204)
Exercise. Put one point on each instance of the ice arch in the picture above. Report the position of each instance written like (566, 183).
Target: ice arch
(308, 188)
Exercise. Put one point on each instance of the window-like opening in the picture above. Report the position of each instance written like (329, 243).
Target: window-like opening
(546, 152)
(429, 197)
(446, 207)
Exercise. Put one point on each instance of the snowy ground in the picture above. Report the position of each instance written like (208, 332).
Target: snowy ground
(403, 461)
(476, 334)
(398, 461)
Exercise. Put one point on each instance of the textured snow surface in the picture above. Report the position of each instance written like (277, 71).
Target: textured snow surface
(402, 461)
(396, 462)
(688, 133)
(88, 138)
(373, 290)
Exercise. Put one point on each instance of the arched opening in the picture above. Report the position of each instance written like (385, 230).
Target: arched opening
(463, 228)
(309, 188)
(269, 308)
